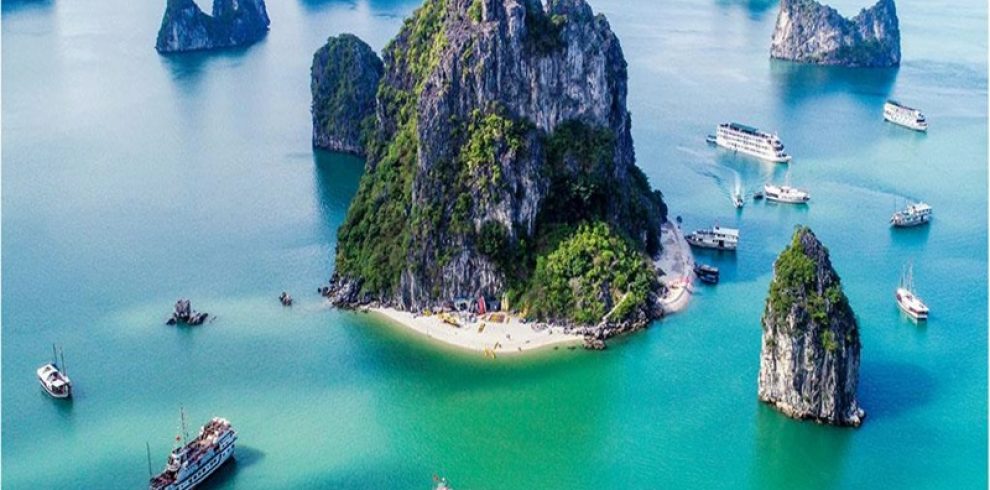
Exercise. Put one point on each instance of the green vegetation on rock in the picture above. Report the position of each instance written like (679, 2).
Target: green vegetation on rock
(590, 272)
(376, 231)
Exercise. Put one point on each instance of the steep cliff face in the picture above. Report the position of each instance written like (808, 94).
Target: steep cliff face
(344, 81)
(810, 32)
(234, 23)
(809, 363)
(501, 127)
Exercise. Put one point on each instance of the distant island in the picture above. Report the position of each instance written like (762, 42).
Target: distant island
(809, 362)
(234, 23)
(344, 82)
(810, 32)
(500, 170)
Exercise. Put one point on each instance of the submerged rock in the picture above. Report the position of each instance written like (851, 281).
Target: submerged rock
(183, 314)
(344, 81)
(809, 362)
(234, 23)
(810, 32)
(501, 126)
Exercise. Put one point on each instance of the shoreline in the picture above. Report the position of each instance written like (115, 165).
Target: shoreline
(491, 338)
(677, 263)
(500, 333)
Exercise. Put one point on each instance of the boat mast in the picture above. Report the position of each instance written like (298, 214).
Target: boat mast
(147, 445)
(185, 432)
(62, 365)
(54, 355)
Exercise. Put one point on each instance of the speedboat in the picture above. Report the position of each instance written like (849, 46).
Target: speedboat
(737, 200)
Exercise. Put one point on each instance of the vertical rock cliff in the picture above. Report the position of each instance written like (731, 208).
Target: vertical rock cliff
(234, 23)
(501, 129)
(809, 363)
(810, 32)
(344, 82)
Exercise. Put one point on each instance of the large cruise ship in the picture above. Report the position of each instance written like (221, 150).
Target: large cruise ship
(194, 462)
(903, 115)
(717, 237)
(751, 141)
(914, 214)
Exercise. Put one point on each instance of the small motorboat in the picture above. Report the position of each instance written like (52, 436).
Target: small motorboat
(53, 377)
(737, 200)
(710, 139)
(757, 195)
(706, 273)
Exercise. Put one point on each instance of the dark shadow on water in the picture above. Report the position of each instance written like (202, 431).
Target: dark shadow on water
(797, 453)
(226, 475)
(795, 82)
(12, 6)
(187, 68)
(757, 9)
(336, 177)
(914, 238)
(888, 389)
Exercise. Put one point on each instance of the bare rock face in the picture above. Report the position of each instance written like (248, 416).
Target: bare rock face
(497, 122)
(810, 32)
(234, 23)
(809, 363)
(345, 76)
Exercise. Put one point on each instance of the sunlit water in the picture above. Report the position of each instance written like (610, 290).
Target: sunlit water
(130, 180)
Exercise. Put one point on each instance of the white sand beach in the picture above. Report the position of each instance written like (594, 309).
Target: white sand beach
(505, 334)
(490, 337)
(677, 263)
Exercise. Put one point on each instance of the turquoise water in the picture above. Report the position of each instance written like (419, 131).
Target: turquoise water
(130, 180)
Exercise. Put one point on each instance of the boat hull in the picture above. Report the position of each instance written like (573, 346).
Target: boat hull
(913, 126)
(741, 149)
(785, 200)
(205, 471)
(717, 245)
(54, 394)
(905, 306)
(909, 223)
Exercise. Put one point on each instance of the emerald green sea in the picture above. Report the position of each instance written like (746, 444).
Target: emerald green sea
(130, 180)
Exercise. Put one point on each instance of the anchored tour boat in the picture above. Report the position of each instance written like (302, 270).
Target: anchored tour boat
(907, 299)
(53, 376)
(717, 238)
(903, 115)
(914, 214)
(194, 462)
(785, 194)
(706, 273)
(751, 141)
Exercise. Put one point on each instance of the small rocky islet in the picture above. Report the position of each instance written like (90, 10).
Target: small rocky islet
(185, 27)
(809, 32)
(809, 361)
(345, 75)
(500, 164)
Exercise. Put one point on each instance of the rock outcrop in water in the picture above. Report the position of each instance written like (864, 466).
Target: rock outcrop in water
(810, 32)
(234, 23)
(809, 363)
(502, 165)
(344, 81)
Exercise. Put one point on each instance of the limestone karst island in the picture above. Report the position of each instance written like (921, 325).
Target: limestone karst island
(487, 244)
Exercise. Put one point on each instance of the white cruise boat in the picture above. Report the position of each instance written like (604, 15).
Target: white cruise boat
(785, 194)
(717, 238)
(53, 378)
(195, 461)
(908, 300)
(751, 141)
(914, 214)
(903, 115)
